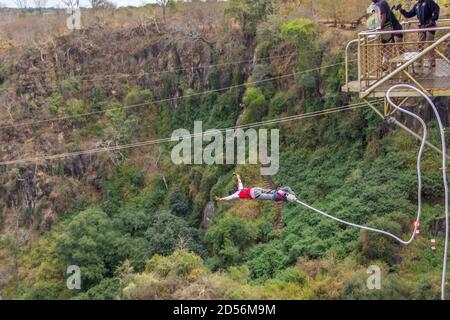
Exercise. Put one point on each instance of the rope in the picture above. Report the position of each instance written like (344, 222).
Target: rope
(444, 174)
(166, 140)
(419, 175)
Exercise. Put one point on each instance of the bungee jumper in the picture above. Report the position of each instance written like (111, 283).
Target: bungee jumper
(284, 194)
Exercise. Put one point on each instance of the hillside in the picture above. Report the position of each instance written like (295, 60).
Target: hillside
(140, 226)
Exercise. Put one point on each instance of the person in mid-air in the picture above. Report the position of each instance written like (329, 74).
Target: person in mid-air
(281, 194)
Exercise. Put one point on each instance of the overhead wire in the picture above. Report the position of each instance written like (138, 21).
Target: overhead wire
(166, 140)
(210, 66)
(86, 114)
(120, 75)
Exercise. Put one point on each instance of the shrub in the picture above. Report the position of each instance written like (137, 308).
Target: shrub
(375, 246)
(97, 101)
(292, 274)
(229, 237)
(124, 184)
(107, 289)
(240, 274)
(70, 87)
(89, 241)
(393, 288)
(152, 197)
(301, 32)
(180, 204)
(256, 105)
(261, 72)
(147, 286)
(249, 12)
(137, 96)
(55, 102)
(74, 107)
(266, 260)
(224, 111)
(180, 264)
(121, 126)
(282, 102)
(166, 231)
(4, 73)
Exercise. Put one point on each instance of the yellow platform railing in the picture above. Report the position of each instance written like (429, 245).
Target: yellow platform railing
(383, 61)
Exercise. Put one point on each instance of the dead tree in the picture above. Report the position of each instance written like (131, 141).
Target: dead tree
(40, 5)
(163, 4)
(102, 4)
(21, 4)
(71, 4)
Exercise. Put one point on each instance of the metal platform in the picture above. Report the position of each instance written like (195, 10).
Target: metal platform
(381, 64)
(439, 86)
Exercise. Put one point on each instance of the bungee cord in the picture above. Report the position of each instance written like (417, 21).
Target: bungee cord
(419, 174)
(444, 173)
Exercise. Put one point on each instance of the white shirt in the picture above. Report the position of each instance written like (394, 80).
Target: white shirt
(235, 196)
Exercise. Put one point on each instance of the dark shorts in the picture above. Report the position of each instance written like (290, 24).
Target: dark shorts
(433, 25)
(392, 37)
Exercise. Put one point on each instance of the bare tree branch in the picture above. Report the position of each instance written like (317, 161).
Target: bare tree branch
(21, 4)
(40, 4)
(102, 4)
(71, 4)
(163, 4)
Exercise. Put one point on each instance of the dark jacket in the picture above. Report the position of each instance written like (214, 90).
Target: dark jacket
(427, 11)
(385, 10)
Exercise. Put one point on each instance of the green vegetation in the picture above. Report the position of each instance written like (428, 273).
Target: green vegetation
(250, 12)
(137, 226)
(256, 106)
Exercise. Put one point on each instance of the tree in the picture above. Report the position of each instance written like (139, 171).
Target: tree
(373, 246)
(40, 4)
(255, 105)
(102, 4)
(266, 260)
(229, 237)
(71, 4)
(338, 13)
(167, 231)
(90, 241)
(21, 4)
(164, 4)
(302, 34)
(7, 102)
(250, 12)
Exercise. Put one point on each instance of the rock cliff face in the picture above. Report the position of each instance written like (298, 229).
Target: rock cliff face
(421, 107)
(208, 215)
(77, 67)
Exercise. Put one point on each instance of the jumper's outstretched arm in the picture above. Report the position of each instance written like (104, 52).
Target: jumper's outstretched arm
(239, 182)
(234, 196)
